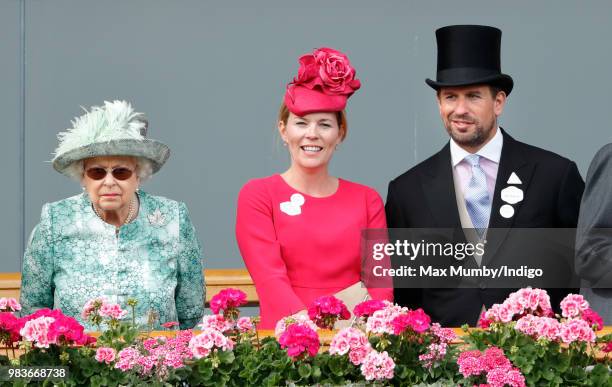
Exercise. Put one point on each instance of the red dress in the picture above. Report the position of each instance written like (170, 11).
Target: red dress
(298, 247)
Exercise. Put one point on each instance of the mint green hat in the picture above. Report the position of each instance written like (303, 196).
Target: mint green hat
(114, 129)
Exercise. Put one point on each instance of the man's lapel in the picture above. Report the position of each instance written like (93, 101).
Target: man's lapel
(439, 190)
(513, 160)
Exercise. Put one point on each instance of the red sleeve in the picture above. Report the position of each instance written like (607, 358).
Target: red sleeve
(261, 253)
(377, 220)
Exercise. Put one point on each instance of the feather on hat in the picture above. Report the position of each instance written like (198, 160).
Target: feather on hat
(114, 129)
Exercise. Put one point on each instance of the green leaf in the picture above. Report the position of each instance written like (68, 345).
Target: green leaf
(305, 370)
(226, 357)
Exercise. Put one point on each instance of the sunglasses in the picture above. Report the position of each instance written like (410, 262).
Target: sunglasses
(100, 173)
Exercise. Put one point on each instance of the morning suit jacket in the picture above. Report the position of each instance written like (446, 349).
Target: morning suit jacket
(424, 197)
(593, 239)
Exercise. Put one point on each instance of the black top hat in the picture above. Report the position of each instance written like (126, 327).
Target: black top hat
(469, 55)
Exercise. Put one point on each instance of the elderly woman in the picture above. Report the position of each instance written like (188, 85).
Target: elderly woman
(114, 240)
(299, 232)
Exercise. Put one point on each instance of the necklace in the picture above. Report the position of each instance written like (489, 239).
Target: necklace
(131, 211)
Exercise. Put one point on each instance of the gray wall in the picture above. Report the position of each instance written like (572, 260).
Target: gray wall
(211, 75)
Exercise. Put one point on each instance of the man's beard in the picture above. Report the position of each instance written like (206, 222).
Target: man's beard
(475, 139)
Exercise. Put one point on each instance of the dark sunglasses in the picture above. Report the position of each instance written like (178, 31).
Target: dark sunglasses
(118, 173)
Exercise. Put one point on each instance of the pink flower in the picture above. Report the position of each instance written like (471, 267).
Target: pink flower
(37, 331)
(146, 364)
(229, 298)
(507, 312)
(530, 299)
(173, 350)
(325, 310)
(9, 305)
(501, 377)
(494, 358)
(573, 305)
(593, 318)
(367, 308)
(282, 324)
(204, 343)
(351, 341)
(417, 320)
(445, 335)
(499, 370)
(435, 352)
(244, 324)
(514, 378)
(170, 324)
(377, 366)
(157, 354)
(299, 340)
(380, 321)
(470, 364)
(547, 328)
(328, 70)
(608, 347)
(357, 355)
(150, 343)
(518, 304)
(527, 325)
(128, 358)
(105, 355)
(113, 311)
(93, 306)
(576, 330)
(217, 322)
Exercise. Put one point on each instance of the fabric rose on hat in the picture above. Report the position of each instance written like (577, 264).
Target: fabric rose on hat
(328, 70)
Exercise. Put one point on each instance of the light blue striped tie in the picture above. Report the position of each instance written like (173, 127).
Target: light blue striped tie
(477, 198)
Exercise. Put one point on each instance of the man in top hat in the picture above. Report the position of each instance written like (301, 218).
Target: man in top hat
(461, 185)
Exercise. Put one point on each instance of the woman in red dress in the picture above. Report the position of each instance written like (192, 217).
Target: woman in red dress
(299, 231)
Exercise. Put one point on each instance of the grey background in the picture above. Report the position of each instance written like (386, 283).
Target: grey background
(210, 76)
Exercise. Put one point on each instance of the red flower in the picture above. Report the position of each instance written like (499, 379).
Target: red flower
(299, 340)
(9, 328)
(227, 300)
(367, 308)
(170, 324)
(64, 329)
(593, 318)
(483, 321)
(328, 70)
(417, 320)
(325, 310)
(608, 347)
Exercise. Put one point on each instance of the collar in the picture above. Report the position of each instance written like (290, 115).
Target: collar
(490, 151)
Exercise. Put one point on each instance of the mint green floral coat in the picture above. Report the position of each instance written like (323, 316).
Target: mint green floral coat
(73, 256)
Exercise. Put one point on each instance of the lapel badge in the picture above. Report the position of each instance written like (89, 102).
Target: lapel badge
(507, 211)
(294, 205)
(512, 195)
(514, 179)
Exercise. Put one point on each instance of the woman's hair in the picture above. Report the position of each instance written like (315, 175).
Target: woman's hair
(144, 169)
(283, 116)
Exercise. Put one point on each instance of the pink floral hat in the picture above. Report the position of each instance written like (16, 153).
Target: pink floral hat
(324, 83)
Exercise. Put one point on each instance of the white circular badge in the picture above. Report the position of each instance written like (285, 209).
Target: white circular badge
(506, 211)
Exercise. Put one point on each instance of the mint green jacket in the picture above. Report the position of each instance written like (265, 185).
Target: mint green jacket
(73, 256)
